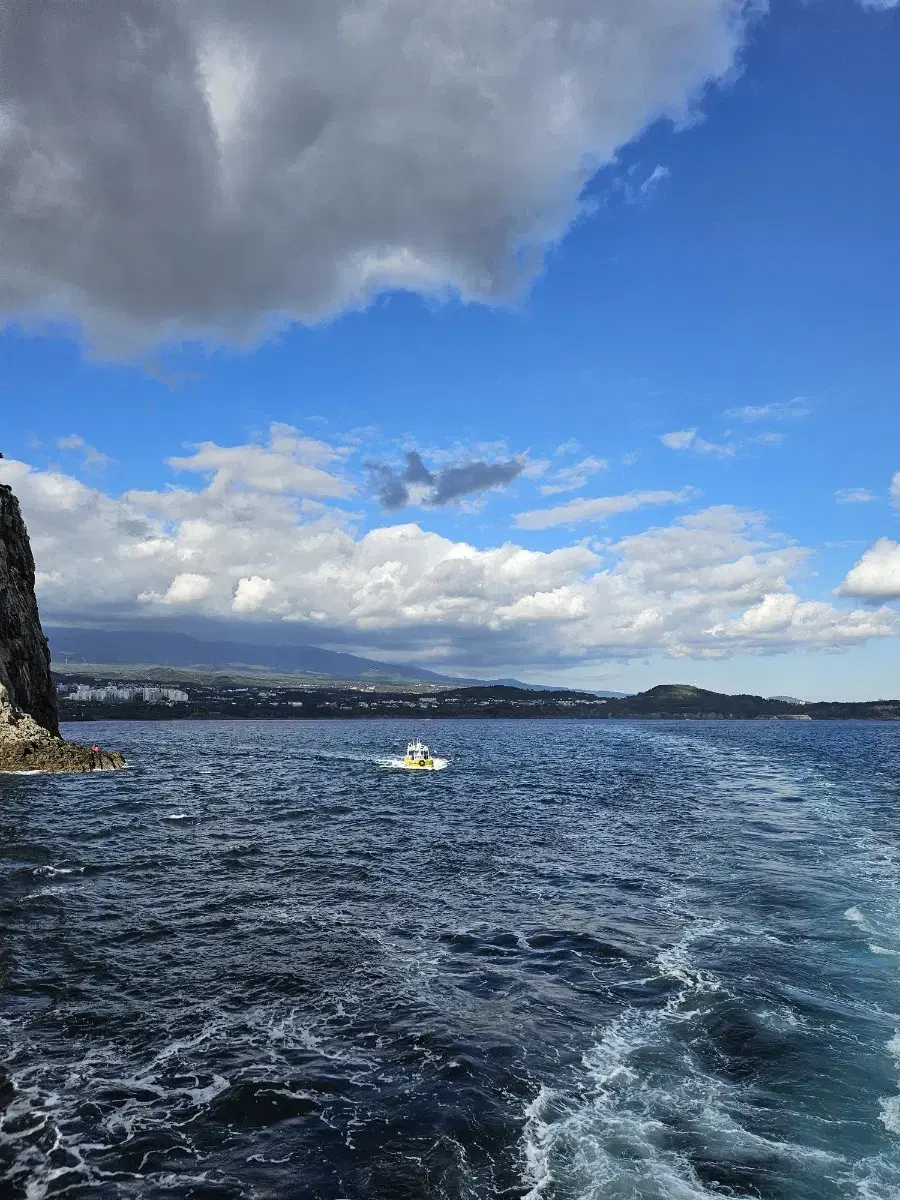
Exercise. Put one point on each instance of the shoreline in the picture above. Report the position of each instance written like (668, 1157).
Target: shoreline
(646, 719)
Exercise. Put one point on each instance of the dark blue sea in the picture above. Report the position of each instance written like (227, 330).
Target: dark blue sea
(586, 961)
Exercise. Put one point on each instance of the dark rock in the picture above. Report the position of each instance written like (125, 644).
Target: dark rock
(24, 654)
(29, 721)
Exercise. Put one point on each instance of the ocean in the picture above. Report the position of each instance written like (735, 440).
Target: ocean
(586, 961)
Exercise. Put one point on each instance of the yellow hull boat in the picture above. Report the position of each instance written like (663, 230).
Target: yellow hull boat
(418, 757)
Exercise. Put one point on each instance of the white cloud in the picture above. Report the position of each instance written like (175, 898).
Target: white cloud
(688, 439)
(184, 591)
(789, 410)
(535, 467)
(681, 440)
(597, 509)
(91, 457)
(781, 619)
(654, 179)
(236, 550)
(636, 190)
(877, 574)
(288, 462)
(570, 478)
(218, 168)
(854, 495)
(254, 594)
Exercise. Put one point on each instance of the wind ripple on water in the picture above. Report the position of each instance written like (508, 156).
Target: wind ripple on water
(585, 961)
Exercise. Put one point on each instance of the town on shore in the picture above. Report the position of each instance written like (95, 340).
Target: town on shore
(166, 695)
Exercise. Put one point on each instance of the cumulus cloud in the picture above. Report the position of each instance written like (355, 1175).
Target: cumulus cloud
(688, 439)
(184, 590)
(854, 495)
(214, 167)
(236, 551)
(286, 462)
(575, 476)
(415, 483)
(783, 617)
(877, 574)
(254, 594)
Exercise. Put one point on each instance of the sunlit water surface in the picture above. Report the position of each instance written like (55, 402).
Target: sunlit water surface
(605, 961)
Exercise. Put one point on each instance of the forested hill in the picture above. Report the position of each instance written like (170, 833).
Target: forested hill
(681, 700)
(664, 702)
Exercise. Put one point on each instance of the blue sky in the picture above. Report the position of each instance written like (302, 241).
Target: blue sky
(712, 331)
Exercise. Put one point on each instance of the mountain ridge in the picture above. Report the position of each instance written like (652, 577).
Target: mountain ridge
(165, 649)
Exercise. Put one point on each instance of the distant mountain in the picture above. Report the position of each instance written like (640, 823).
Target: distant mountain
(150, 647)
(159, 648)
(546, 687)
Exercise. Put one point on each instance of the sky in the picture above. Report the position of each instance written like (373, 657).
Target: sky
(546, 338)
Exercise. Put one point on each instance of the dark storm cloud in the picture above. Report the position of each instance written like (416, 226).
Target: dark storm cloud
(391, 487)
(388, 485)
(416, 471)
(212, 168)
(474, 477)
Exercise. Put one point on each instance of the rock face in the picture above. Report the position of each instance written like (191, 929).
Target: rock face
(29, 722)
(24, 655)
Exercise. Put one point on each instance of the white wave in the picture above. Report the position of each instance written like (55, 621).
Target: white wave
(608, 1136)
(877, 1178)
(164, 1092)
(44, 892)
(890, 1113)
(893, 1048)
(855, 916)
(858, 918)
(890, 1105)
(177, 817)
(537, 1140)
(104, 771)
(603, 1140)
(781, 1018)
(48, 872)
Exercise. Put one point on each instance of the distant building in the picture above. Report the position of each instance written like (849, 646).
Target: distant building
(83, 694)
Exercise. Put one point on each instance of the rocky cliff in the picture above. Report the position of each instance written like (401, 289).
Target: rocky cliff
(24, 656)
(29, 724)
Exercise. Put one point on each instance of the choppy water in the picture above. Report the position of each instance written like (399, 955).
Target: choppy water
(597, 961)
